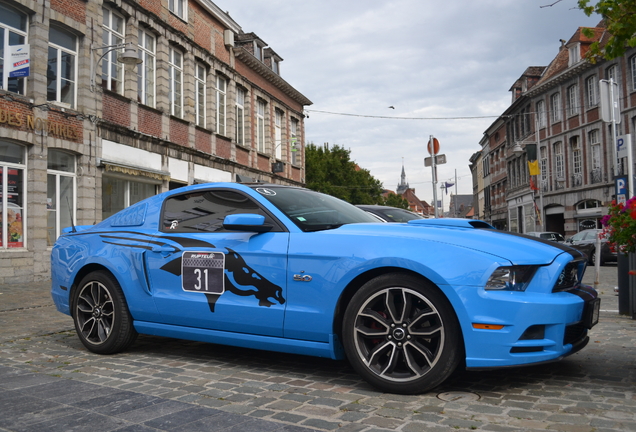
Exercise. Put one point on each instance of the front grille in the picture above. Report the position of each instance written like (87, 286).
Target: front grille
(574, 333)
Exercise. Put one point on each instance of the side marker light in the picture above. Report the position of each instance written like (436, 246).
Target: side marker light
(488, 326)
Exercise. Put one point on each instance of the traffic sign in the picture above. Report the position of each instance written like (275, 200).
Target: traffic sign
(435, 148)
(439, 160)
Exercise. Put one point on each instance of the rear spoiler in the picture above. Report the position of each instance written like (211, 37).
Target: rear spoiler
(452, 222)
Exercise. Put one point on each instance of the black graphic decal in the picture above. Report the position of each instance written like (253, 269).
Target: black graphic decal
(173, 267)
(246, 276)
(212, 298)
(243, 275)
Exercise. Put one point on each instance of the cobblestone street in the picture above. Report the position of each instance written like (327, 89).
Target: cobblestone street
(50, 382)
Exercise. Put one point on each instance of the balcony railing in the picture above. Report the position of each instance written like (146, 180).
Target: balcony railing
(577, 180)
(596, 176)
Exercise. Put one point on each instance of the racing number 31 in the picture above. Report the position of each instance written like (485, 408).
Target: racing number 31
(203, 272)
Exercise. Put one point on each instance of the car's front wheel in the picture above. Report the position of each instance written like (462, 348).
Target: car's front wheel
(102, 320)
(401, 334)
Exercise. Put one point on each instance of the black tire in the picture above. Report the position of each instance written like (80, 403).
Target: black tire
(100, 313)
(401, 334)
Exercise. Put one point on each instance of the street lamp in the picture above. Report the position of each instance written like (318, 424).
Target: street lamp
(128, 57)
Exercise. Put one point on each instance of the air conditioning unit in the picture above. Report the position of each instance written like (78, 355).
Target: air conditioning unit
(228, 38)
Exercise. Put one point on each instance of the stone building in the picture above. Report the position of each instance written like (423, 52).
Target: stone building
(123, 100)
(555, 120)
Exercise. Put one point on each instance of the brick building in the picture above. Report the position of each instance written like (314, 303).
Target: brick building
(555, 119)
(85, 135)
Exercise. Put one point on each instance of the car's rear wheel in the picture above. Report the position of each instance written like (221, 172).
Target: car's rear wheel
(401, 334)
(102, 320)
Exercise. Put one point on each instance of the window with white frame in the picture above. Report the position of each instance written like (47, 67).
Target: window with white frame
(12, 195)
(60, 197)
(559, 161)
(541, 114)
(221, 104)
(591, 89)
(611, 73)
(199, 80)
(240, 116)
(61, 71)
(13, 31)
(179, 8)
(574, 54)
(119, 193)
(278, 134)
(258, 50)
(577, 157)
(146, 70)
(175, 70)
(573, 100)
(113, 34)
(555, 108)
(295, 144)
(595, 144)
(632, 68)
(543, 156)
(260, 125)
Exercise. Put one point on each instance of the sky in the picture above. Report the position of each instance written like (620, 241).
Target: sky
(445, 66)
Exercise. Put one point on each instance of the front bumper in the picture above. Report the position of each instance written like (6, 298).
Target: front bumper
(537, 327)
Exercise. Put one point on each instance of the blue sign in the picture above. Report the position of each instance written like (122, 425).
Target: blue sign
(621, 186)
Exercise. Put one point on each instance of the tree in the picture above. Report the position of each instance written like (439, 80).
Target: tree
(395, 200)
(331, 171)
(620, 21)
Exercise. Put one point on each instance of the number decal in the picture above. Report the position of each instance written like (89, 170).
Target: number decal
(203, 272)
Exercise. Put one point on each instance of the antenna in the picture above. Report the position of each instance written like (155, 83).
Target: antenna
(70, 210)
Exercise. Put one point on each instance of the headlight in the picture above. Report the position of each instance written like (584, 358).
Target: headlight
(511, 278)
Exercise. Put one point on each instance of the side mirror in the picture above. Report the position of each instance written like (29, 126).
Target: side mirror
(246, 222)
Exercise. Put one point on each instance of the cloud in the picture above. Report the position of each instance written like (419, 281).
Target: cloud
(426, 58)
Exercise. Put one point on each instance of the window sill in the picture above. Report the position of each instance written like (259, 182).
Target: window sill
(179, 119)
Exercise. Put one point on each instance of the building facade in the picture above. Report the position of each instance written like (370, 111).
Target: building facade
(84, 135)
(555, 123)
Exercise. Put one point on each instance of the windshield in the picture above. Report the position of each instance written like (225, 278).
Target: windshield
(313, 211)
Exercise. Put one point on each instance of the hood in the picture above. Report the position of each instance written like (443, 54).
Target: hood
(516, 248)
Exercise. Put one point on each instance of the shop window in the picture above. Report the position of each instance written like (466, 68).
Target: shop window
(13, 31)
(119, 193)
(12, 192)
(60, 198)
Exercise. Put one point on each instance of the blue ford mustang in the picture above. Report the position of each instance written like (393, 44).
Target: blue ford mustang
(288, 269)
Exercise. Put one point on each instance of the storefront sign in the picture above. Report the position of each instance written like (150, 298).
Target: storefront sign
(38, 125)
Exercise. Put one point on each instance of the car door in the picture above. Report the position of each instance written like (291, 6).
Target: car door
(202, 275)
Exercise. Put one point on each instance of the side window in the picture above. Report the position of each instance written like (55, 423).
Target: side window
(204, 211)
